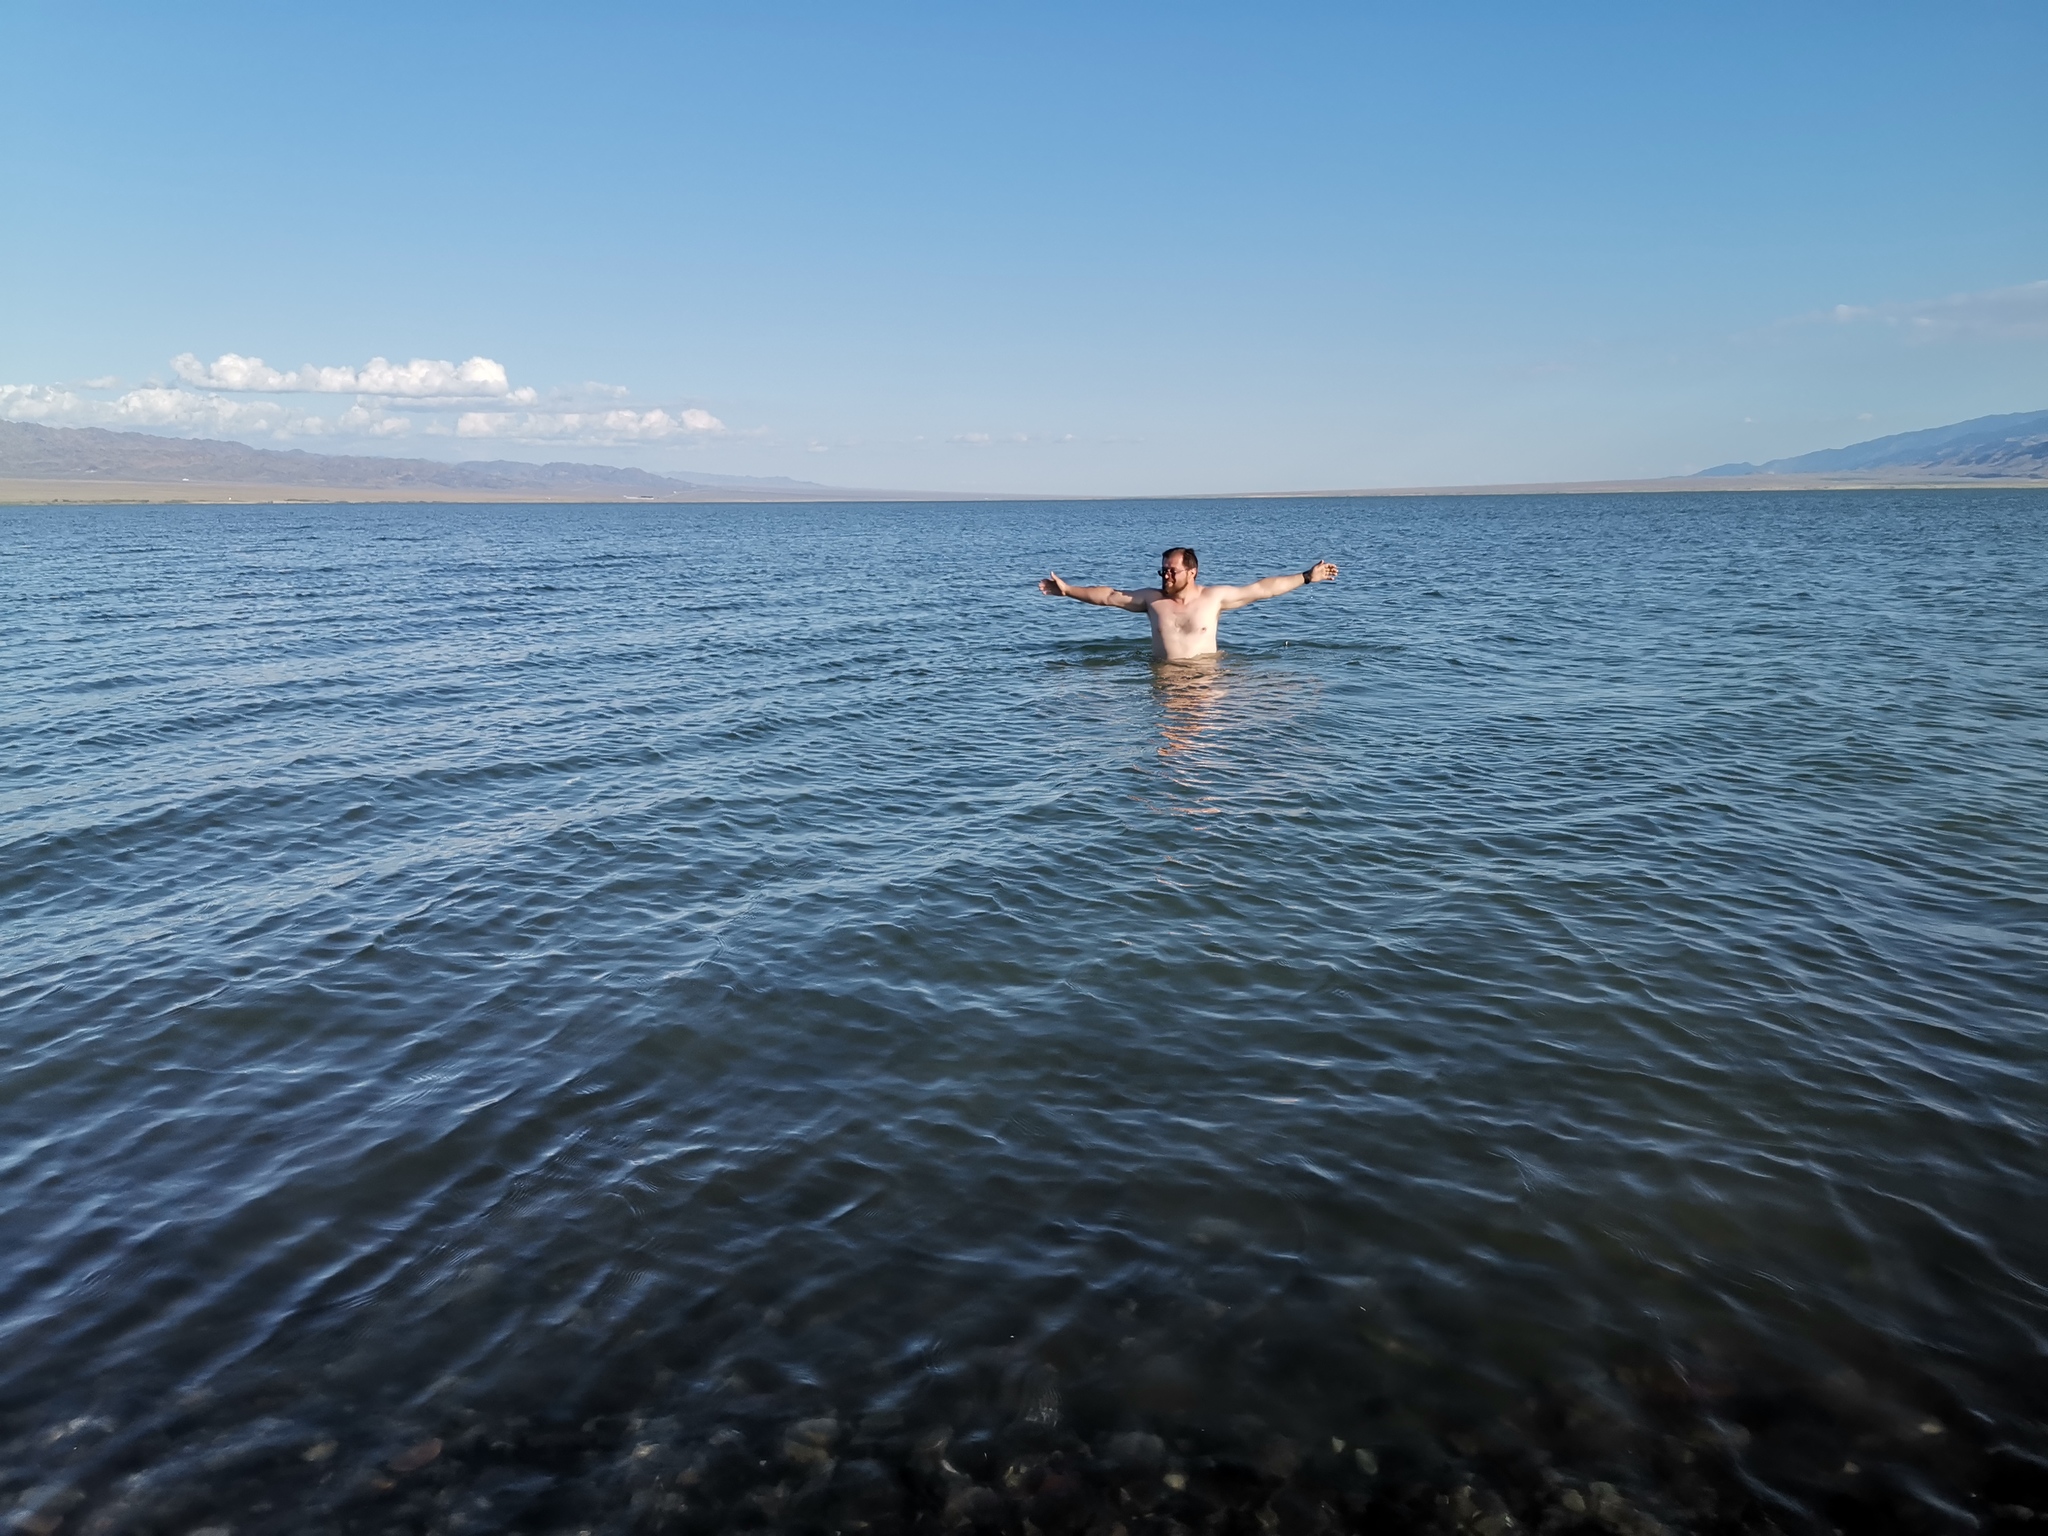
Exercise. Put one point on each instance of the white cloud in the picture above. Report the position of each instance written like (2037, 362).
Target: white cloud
(155, 408)
(38, 402)
(423, 378)
(985, 439)
(371, 421)
(1997, 314)
(595, 427)
(231, 406)
(183, 411)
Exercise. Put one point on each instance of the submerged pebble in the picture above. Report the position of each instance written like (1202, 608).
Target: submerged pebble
(413, 1457)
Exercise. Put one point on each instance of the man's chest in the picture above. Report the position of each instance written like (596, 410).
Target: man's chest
(1183, 618)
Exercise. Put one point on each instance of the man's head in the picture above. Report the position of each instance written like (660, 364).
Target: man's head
(1177, 569)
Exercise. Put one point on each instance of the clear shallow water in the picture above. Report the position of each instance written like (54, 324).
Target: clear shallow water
(507, 1011)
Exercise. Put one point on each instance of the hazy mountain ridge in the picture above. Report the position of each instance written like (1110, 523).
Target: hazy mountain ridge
(43, 463)
(1989, 447)
(29, 451)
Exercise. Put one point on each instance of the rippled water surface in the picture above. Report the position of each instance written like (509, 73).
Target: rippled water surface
(687, 1018)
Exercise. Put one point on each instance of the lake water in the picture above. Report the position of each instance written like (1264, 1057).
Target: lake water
(644, 1019)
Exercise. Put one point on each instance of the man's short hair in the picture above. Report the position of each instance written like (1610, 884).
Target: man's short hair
(1187, 557)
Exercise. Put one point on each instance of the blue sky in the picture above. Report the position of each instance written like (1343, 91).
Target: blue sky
(1090, 248)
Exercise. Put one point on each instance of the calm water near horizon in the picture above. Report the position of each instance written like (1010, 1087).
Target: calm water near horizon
(647, 1019)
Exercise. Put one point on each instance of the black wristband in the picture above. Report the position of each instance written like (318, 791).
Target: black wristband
(1308, 577)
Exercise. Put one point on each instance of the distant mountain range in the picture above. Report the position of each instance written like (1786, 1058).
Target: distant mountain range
(1989, 448)
(63, 464)
(93, 454)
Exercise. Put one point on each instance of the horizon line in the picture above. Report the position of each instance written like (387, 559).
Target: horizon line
(61, 491)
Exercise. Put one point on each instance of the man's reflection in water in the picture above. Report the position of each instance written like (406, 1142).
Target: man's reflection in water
(1190, 694)
(1218, 716)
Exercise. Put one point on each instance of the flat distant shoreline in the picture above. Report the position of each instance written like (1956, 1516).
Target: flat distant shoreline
(108, 492)
(1670, 485)
(98, 491)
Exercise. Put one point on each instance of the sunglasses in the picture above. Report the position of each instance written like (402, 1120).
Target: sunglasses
(1168, 570)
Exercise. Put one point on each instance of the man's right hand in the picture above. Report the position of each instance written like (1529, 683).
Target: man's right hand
(1052, 586)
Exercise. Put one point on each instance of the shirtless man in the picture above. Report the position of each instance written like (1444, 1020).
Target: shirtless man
(1183, 612)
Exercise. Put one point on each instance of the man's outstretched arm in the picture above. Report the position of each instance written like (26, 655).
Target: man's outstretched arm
(1101, 597)
(1273, 586)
